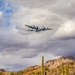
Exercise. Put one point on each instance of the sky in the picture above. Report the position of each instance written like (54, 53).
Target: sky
(19, 48)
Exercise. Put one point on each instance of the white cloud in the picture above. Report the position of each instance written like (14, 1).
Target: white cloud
(15, 44)
(1, 14)
(67, 30)
(1, 19)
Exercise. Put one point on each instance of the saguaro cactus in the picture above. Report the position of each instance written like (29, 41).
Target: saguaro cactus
(42, 65)
(63, 73)
(67, 69)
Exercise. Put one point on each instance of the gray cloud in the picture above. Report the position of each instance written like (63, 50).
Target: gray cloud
(64, 8)
(64, 48)
(1, 19)
(25, 47)
(33, 3)
(68, 28)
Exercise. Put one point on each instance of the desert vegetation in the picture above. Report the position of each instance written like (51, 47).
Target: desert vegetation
(67, 68)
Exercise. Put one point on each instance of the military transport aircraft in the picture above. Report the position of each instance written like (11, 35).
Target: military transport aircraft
(36, 28)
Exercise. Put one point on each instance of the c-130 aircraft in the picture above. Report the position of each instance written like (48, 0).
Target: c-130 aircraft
(36, 28)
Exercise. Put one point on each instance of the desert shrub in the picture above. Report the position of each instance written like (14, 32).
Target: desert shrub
(71, 63)
(1, 73)
(46, 69)
(12, 73)
(38, 73)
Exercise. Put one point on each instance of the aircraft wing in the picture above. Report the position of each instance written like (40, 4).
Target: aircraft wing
(49, 29)
(30, 30)
(28, 26)
(43, 29)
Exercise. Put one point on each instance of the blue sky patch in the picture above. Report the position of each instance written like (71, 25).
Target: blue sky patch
(6, 8)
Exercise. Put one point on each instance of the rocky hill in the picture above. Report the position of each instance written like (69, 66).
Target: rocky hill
(34, 67)
(52, 67)
(2, 70)
(57, 62)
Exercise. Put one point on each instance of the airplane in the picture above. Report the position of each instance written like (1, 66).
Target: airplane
(36, 28)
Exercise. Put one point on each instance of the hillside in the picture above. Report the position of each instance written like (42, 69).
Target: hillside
(57, 62)
(52, 67)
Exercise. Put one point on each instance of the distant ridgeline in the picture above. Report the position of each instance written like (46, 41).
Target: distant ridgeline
(62, 66)
(2, 70)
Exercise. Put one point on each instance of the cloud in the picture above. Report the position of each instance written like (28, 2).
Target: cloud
(22, 48)
(67, 31)
(1, 14)
(33, 4)
(64, 8)
(63, 48)
(1, 19)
